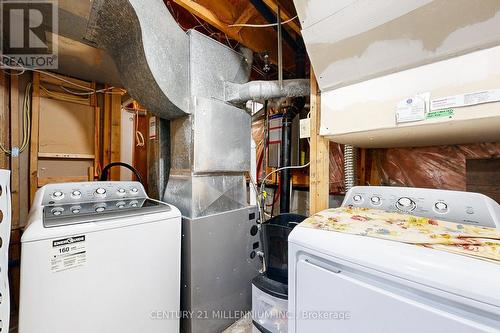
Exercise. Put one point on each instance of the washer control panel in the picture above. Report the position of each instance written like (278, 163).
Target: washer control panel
(73, 203)
(69, 193)
(453, 206)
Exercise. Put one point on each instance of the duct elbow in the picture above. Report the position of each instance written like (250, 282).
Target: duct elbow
(256, 90)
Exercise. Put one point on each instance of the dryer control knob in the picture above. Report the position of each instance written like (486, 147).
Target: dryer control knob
(121, 191)
(134, 190)
(376, 200)
(357, 198)
(441, 207)
(405, 204)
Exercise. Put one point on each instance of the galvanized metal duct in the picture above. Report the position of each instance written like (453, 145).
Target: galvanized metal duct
(255, 90)
(150, 51)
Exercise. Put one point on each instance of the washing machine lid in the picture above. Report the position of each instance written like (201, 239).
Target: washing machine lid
(69, 214)
(468, 277)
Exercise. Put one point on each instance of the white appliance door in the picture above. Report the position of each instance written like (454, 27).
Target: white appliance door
(127, 280)
(331, 298)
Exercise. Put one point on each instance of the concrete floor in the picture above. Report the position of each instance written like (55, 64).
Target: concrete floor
(244, 325)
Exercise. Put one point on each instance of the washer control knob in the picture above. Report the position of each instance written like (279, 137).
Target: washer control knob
(133, 203)
(76, 209)
(76, 194)
(57, 195)
(121, 191)
(357, 198)
(441, 207)
(57, 211)
(376, 200)
(405, 204)
(134, 190)
(120, 204)
(99, 208)
(100, 192)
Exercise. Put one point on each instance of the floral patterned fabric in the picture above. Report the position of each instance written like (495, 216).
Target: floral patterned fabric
(465, 239)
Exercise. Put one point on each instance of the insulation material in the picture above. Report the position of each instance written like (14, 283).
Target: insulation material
(440, 167)
(336, 168)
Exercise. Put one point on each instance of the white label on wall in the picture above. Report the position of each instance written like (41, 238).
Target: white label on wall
(412, 109)
(305, 128)
(474, 98)
(152, 127)
(68, 253)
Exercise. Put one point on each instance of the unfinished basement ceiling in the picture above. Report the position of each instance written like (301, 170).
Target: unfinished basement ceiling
(79, 57)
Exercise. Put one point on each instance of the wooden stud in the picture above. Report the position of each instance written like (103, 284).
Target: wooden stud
(106, 141)
(14, 143)
(116, 119)
(97, 133)
(35, 112)
(4, 120)
(319, 167)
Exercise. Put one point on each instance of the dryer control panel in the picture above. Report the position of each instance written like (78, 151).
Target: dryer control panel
(453, 206)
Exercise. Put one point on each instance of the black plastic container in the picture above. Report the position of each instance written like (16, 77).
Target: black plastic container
(275, 237)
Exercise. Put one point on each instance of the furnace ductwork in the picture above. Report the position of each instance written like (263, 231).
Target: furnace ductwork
(255, 90)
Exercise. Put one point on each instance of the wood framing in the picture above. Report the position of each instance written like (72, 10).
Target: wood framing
(285, 16)
(54, 159)
(320, 162)
(14, 141)
(257, 39)
(4, 119)
(35, 112)
(115, 143)
(106, 138)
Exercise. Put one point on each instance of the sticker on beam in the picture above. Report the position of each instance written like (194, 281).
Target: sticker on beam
(474, 98)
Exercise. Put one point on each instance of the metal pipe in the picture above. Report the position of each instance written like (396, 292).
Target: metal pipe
(258, 90)
(286, 153)
(286, 160)
(268, 14)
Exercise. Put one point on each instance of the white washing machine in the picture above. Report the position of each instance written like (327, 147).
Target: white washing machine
(100, 257)
(340, 282)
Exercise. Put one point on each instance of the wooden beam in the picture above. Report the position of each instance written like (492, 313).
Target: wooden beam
(116, 122)
(4, 120)
(284, 15)
(203, 13)
(320, 158)
(35, 112)
(14, 142)
(245, 16)
(106, 139)
(258, 40)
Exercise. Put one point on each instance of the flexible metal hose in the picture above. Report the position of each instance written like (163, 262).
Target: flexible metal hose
(350, 163)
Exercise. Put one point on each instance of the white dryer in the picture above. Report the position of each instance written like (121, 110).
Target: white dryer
(347, 283)
(100, 257)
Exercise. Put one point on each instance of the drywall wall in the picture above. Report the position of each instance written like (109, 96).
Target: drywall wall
(351, 41)
(364, 114)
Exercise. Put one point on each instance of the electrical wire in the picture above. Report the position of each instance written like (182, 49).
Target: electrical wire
(22, 69)
(262, 25)
(26, 122)
(64, 97)
(139, 137)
